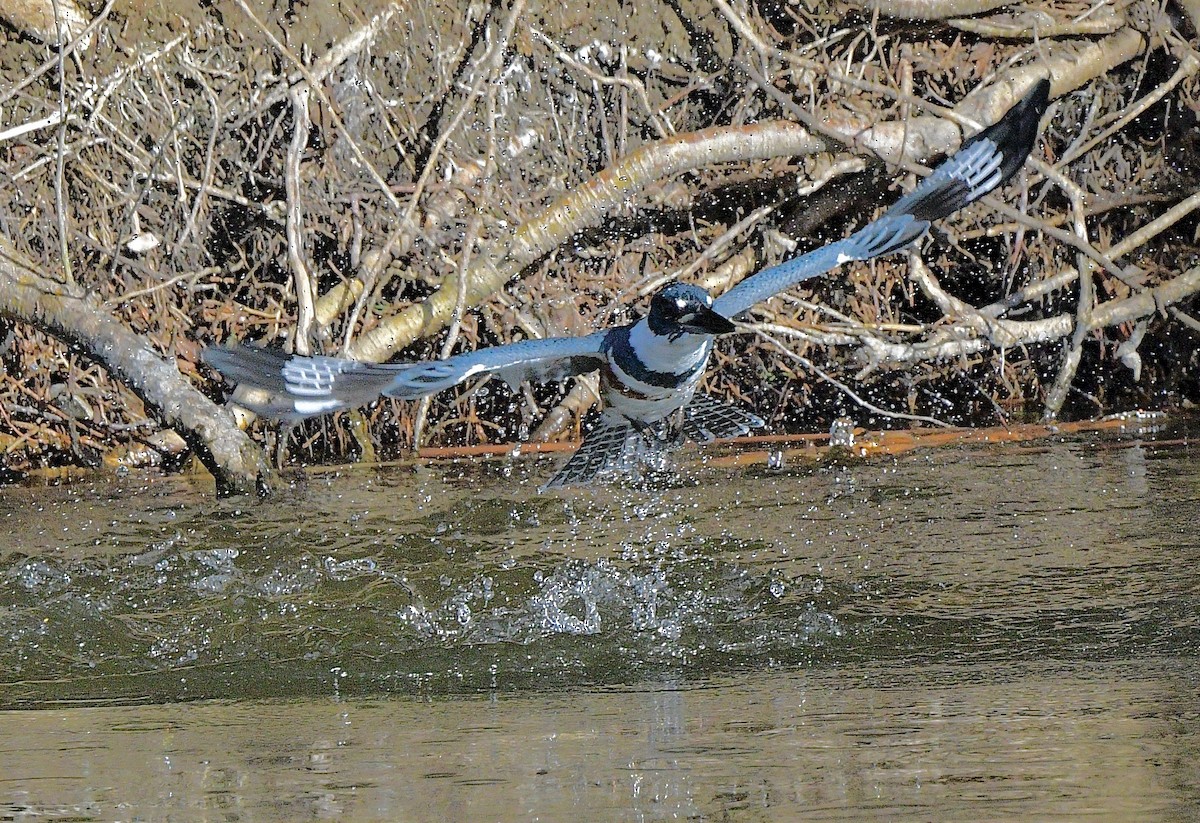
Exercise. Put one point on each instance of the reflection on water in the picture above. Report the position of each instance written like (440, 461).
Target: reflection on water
(966, 634)
(1023, 742)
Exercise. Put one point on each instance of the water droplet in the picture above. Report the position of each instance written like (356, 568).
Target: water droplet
(841, 432)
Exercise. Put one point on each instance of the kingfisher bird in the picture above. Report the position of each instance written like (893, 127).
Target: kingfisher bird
(649, 369)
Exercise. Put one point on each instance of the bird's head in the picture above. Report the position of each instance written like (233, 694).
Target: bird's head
(679, 308)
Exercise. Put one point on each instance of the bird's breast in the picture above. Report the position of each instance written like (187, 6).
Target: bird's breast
(644, 401)
(648, 377)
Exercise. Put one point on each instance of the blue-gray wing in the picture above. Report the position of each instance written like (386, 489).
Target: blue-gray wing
(293, 387)
(982, 164)
(545, 360)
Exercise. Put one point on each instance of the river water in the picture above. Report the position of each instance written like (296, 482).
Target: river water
(1002, 633)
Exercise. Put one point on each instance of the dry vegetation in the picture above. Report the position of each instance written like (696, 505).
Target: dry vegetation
(412, 181)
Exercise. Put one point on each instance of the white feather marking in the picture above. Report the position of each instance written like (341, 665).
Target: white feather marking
(312, 407)
(313, 389)
(658, 353)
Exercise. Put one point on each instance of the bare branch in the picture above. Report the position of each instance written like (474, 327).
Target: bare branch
(75, 317)
(582, 208)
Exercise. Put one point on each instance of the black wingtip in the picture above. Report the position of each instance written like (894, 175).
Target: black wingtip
(249, 365)
(1014, 133)
(963, 181)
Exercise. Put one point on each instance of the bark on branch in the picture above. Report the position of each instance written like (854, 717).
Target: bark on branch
(76, 317)
(582, 208)
(971, 330)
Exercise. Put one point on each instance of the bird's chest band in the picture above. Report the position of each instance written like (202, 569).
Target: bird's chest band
(613, 383)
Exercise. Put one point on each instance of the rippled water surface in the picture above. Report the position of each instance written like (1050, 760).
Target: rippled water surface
(991, 633)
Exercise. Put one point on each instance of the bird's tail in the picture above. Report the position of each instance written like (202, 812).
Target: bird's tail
(292, 387)
(617, 447)
(706, 419)
(614, 447)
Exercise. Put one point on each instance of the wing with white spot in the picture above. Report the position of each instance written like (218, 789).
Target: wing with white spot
(293, 387)
(982, 164)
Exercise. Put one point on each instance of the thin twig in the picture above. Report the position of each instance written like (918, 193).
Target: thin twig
(209, 156)
(53, 119)
(460, 277)
(661, 124)
(316, 87)
(1156, 226)
(305, 297)
(712, 251)
(828, 378)
(1186, 69)
(60, 204)
(1083, 309)
(63, 51)
(489, 67)
(113, 302)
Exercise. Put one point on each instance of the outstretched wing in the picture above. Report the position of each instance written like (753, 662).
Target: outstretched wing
(982, 164)
(294, 387)
(548, 359)
(706, 419)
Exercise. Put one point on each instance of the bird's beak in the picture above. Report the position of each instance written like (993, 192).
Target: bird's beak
(707, 321)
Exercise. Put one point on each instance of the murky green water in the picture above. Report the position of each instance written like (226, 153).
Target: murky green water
(1005, 633)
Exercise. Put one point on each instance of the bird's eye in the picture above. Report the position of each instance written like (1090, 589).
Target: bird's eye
(681, 304)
